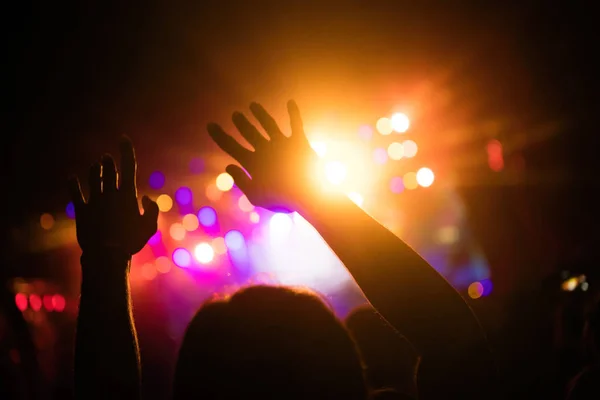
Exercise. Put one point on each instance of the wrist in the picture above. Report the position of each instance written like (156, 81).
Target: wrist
(105, 264)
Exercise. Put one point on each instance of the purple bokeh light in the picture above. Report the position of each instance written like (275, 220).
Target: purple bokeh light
(183, 195)
(207, 216)
(234, 240)
(182, 258)
(156, 180)
(155, 239)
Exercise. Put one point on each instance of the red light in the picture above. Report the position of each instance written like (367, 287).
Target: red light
(48, 304)
(36, 302)
(21, 301)
(59, 302)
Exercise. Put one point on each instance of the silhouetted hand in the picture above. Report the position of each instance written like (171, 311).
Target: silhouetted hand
(111, 219)
(280, 168)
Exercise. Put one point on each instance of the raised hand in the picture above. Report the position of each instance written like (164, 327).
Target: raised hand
(111, 219)
(279, 172)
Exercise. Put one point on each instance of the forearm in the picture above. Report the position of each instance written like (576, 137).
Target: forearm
(404, 288)
(106, 354)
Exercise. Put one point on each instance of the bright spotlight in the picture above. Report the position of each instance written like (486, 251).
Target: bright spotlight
(204, 253)
(425, 177)
(400, 122)
(320, 148)
(335, 172)
(280, 224)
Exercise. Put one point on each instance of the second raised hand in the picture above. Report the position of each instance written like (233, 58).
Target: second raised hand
(278, 173)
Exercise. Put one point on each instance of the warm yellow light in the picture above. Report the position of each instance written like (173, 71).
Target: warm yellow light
(335, 172)
(204, 253)
(425, 177)
(410, 148)
(410, 181)
(400, 122)
(395, 151)
(384, 126)
(164, 202)
(224, 182)
(213, 193)
(356, 198)
(320, 148)
(475, 290)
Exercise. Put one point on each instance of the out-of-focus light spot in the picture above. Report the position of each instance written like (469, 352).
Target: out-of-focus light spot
(320, 148)
(254, 217)
(149, 271)
(70, 210)
(213, 193)
(190, 222)
(487, 287)
(570, 284)
(280, 224)
(59, 302)
(156, 180)
(447, 235)
(384, 126)
(47, 221)
(410, 148)
(196, 165)
(396, 185)
(356, 198)
(35, 302)
(475, 290)
(234, 240)
(244, 204)
(380, 156)
(335, 172)
(182, 258)
(21, 301)
(365, 132)
(163, 264)
(207, 216)
(410, 181)
(183, 196)
(495, 155)
(177, 231)
(395, 151)
(425, 177)
(218, 245)
(155, 239)
(165, 203)
(400, 122)
(204, 253)
(585, 286)
(47, 302)
(224, 182)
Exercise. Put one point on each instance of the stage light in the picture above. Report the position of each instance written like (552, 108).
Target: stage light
(400, 122)
(410, 148)
(395, 151)
(224, 182)
(396, 185)
(183, 196)
(384, 126)
(425, 177)
(218, 245)
(59, 302)
(335, 172)
(204, 253)
(356, 198)
(190, 222)
(156, 180)
(280, 224)
(475, 290)
(182, 258)
(164, 202)
(410, 181)
(234, 240)
(207, 216)
(320, 148)
(47, 221)
(177, 231)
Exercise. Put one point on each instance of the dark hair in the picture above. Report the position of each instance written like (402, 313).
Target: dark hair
(268, 342)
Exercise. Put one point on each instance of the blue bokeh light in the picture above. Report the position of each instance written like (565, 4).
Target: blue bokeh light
(183, 196)
(207, 216)
(234, 240)
(156, 180)
(70, 210)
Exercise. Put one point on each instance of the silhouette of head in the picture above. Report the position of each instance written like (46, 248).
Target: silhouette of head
(391, 361)
(268, 342)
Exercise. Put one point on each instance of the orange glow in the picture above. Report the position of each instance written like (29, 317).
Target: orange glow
(335, 172)
(163, 264)
(384, 126)
(47, 221)
(219, 246)
(425, 177)
(149, 271)
(213, 193)
(177, 231)
(410, 181)
(165, 202)
(475, 290)
(400, 122)
(190, 222)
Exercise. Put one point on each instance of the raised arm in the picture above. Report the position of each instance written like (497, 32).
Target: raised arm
(110, 230)
(400, 284)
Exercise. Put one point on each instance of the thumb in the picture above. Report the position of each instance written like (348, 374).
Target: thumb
(150, 216)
